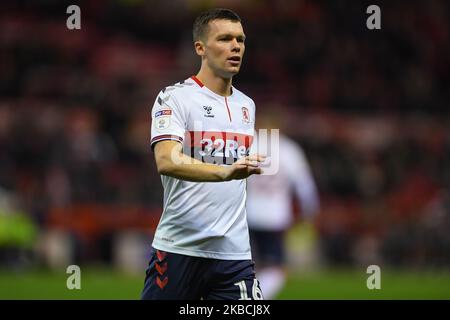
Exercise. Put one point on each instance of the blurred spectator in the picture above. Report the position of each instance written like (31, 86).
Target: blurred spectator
(17, 234)
(269, 202)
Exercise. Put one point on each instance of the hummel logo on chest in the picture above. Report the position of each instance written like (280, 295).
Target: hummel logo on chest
(208, 110)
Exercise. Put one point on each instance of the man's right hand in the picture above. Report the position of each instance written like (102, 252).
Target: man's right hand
(245, 167)
(171, 161)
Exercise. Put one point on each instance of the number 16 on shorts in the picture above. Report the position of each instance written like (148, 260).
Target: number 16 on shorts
(256, 290)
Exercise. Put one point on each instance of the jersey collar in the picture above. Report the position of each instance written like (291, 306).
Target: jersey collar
(201, 85)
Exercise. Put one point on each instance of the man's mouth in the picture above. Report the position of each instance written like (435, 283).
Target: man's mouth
(234, 60)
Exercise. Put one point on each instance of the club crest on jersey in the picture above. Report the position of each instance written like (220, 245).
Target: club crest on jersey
(208, 110)
(245, 115)
(162, 119)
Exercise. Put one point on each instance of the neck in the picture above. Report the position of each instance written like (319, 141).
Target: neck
(219, 85)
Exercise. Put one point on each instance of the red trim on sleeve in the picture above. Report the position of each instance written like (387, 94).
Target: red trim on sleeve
(197, 80)
(165, 137)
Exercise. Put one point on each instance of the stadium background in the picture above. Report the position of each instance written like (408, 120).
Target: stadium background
(78, 183)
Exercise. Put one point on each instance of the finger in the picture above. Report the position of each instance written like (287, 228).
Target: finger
(251, 163)
(255, 171)
(241, 166)
(256, 157)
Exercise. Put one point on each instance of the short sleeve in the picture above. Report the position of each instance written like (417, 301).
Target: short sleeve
(168, 120)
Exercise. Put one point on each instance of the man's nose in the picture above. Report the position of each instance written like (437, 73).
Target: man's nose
(235, 46)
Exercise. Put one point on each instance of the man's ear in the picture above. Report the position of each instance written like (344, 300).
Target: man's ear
(199, 47)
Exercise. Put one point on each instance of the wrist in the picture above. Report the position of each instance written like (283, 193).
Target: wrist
(225, 173)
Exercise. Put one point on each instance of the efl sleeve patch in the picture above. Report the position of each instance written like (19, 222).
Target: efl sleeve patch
(163, 113)
(168, 117)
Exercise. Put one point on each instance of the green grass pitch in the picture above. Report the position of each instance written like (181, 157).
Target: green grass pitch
(103, 283)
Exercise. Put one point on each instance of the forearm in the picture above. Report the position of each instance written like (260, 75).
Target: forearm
(187, 168)
(172, 162)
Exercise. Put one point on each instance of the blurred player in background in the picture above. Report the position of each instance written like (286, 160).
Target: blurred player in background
(202, 130)
(270, 211)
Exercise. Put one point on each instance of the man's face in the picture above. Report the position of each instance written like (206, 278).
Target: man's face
(224, 47)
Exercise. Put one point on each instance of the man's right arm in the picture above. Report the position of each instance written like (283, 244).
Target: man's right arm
(171, 161)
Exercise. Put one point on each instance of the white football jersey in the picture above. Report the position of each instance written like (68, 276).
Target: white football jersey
(269, 197)
(204, 219)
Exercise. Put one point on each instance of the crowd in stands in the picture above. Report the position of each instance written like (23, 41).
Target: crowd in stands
(370, 109)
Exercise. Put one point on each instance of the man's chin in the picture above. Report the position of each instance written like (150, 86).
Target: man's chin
(230, 72)
(227, 73)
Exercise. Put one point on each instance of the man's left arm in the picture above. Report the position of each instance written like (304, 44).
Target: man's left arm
(303, 183)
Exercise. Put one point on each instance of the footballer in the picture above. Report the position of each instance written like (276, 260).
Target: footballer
(201, 133)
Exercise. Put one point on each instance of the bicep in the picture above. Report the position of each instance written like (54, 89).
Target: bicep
(166, 153)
